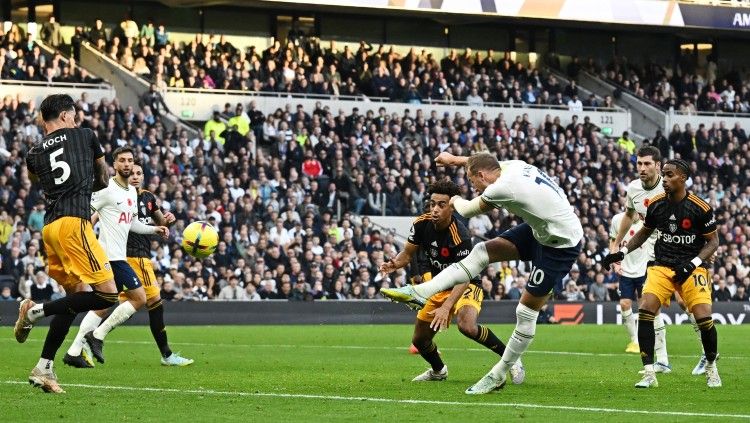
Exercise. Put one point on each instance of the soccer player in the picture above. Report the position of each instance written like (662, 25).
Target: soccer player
(68, 162)
(550, 238)
(632, 273)
(117, 210)
(444, 240)
(139, 258)
(687, 240)
(639, 193)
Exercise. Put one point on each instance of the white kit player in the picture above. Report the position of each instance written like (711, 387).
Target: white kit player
(632, 274)
(117, 210)
(639, 192)
(550, 238)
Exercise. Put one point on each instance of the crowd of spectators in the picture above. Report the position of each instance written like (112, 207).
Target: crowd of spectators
(287, 196)
(682, 88)
(303, 66)
(23, 60)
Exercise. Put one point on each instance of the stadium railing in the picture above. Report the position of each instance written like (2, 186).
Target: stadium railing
(37, 90)
(199, 105)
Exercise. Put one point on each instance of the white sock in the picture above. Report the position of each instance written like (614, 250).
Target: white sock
(660, 344)
(44, 364)
(119, 316)
(35, 313)
(629, 320)
(456, 273)
(90, 322)
(519, 342)
(697, 331)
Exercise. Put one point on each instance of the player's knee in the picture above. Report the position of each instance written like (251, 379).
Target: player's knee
(137, 298)
(626, 304)
(467, 328)
(153, 300)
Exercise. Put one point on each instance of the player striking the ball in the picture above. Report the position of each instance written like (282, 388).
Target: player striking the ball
(550, 238)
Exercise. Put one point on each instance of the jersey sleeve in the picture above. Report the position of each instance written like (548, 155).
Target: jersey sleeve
(708, 223)
(96, 146)
(149, 200)
(415, 233)
(614, 226)
(496, 192)
(99, 199)
(652, 220)
(629, 195)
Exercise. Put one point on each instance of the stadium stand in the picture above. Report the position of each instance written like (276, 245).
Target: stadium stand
(291, 189)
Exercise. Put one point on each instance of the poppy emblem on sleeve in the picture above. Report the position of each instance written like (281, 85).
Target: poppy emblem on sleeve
(686, 224)
(645, 202)
(445, 252)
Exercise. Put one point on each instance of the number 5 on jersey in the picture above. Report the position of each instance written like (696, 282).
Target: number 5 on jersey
(59, 164)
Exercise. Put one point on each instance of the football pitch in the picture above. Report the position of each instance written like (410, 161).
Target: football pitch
(363, 373)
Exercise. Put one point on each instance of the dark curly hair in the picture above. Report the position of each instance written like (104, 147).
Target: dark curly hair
(681, 165)
(444, 187)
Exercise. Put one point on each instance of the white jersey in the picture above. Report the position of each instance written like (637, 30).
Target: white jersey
(530, 194)
(634, 264)
(638, 199)
(117, 206)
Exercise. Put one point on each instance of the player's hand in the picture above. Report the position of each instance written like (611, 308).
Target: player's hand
(445, 159)
(387, 267)
(169, 218)
(440, 319)
(162, 231)
(682, 273)
(612, 258)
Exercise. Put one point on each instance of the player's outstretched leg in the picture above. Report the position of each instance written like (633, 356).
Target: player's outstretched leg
(77, 302)
(76, 355)
(423, 339)
(43, 375)
(159, 331)
(417, 295)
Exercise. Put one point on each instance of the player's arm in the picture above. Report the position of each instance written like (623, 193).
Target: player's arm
(143, 229)
(627, 221)
(401, 260)
(636, 241)
(101, 174)
(442, 314)
(101, 170)
(447, 159)
(709, 233)
(163, 219)
(470, 208)
(94, 218)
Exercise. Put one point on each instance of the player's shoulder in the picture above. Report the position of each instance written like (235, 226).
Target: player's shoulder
(144, 193)
(616, 219)
(697, 201)
(421, 219)
(657, 201)
(459, 232)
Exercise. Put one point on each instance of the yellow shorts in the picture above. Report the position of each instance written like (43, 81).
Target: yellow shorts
(696, 290)
(145, 272)
(73, 253)
(472, 296)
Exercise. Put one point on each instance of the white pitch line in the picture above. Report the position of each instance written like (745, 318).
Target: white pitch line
(397, 401)
(365, 347)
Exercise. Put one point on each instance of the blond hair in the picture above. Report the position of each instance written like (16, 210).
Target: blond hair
(482, 161)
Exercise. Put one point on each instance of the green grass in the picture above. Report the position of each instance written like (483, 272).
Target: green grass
(291, 373)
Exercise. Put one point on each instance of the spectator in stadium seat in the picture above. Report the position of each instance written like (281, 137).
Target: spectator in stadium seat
(741, 294)
(575, 105)
(721, 292)
(626, 143)
(233, 291)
